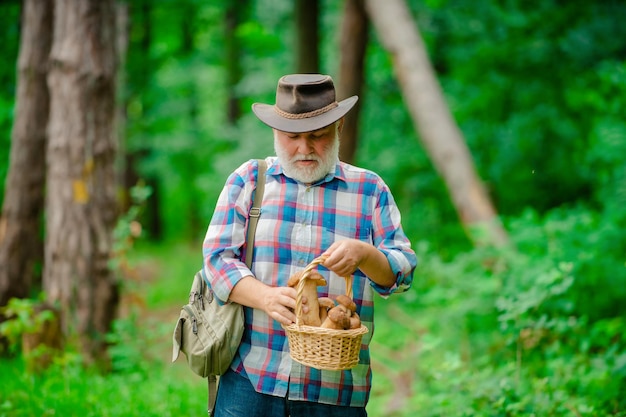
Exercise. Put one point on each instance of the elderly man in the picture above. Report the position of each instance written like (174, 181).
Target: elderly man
(313, 205)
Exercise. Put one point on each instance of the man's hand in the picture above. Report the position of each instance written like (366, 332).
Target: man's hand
(278, 302)
(346, 256)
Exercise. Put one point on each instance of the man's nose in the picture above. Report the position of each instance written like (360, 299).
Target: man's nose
(304, 146)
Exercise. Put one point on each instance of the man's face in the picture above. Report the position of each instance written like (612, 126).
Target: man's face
(307, 157)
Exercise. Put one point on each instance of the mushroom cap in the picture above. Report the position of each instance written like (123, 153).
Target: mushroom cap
(294, 279)
(315, 277)
(346, 302)
(326, 302)
(340, 317)
(355, 321)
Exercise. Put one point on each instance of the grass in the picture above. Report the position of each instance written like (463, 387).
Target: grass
(69, 390)
(144, 382)
(162, 272)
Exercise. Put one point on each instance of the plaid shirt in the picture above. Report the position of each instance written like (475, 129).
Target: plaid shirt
(297, 224)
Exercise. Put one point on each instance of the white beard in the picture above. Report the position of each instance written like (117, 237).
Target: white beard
(326, 164)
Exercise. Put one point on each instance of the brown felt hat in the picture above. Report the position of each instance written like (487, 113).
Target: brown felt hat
(304, 102)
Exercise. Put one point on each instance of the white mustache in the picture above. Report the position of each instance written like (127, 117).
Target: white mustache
(306, 158)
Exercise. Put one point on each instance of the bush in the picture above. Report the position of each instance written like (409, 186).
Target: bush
(510, 333)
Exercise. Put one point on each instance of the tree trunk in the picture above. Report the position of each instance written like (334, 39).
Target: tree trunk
(81, 206)
(353, 43)
(21, 245)
(190, 84)
(436, 127)
(307, 29)
(139, 82)
(234, 16)
(122, 27)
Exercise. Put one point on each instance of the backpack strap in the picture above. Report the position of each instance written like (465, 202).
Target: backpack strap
(253, 219)
(255, 211)
(212, 381)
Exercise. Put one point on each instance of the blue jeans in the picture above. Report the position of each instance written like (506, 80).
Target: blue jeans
(236, 397)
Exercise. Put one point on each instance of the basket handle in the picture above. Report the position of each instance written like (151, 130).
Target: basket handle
(305, 275)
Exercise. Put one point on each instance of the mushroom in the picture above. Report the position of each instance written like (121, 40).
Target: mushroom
(337, 319)
(355, 321)
(309, 292)
(325, 304)
(347, 302)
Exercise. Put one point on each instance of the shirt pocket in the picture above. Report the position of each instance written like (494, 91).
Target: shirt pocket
(338, 228)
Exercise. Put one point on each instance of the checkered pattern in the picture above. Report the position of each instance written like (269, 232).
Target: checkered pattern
(297, 224)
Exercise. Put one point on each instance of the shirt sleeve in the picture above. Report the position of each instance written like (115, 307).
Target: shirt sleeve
(390, 239)
(224, 242)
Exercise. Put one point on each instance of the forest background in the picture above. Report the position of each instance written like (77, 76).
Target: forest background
(538, 90)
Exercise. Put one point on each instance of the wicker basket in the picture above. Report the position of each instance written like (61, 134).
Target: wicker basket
(319, 347)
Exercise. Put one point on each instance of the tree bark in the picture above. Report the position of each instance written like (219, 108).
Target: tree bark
(353, 43)
(122, 27)
(235, 11)
(436, 127)
(307, 29)
(21, 245)
(81, 206)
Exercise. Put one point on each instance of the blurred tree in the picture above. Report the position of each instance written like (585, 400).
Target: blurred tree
(121, 108)
(10, 22)
(235, 16)
(353, 43)
(140, 101)
(190, 87)
(307, 31)
(21, 245)
(434, 122)
(81, 208)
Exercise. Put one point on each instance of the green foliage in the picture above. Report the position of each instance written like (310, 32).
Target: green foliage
(538, 90)
(9, 44)
(68, 389)
(592, 243)
(163, 281)
(535, 87)
(512, 332)
(22, 316)
(142, 382)
(128, 228)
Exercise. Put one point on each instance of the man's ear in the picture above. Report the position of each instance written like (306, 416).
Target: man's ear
(340, 125)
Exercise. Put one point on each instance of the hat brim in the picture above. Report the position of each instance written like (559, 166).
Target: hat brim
(267, 114)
